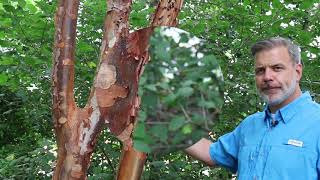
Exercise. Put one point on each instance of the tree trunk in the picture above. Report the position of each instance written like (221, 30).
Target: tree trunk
(113, 99)
(131, 164)
(132, 161)
(66, 116)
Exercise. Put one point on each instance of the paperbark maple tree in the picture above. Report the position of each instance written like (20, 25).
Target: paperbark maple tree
(113, 100)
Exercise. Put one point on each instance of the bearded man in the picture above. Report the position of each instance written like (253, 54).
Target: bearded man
(283, 141)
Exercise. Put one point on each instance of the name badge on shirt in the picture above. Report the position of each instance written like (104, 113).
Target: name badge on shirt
(294, 142)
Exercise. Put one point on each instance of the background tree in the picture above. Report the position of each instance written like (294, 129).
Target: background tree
(230, 27)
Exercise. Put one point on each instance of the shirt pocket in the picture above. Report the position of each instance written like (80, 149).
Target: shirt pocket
(287, 161)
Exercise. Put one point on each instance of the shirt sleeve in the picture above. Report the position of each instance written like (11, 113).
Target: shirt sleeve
(318, 160)
(224, 152)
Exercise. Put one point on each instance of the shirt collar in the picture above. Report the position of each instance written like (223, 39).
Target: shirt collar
(287, 112)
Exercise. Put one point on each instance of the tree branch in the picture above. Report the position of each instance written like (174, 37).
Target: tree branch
(166, 13)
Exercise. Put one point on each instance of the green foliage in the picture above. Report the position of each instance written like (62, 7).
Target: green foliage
(178, 166)
(11, 127)
(24, 164)
(184, 89)
(228, 27)
(105, 159)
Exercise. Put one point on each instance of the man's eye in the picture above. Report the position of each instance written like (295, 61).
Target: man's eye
(259, 71)
(277, 68)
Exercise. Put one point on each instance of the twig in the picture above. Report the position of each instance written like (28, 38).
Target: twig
(108, 159)
(185, 113)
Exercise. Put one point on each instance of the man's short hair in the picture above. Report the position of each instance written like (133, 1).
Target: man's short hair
(268, 44)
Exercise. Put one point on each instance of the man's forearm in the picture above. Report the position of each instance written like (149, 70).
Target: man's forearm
(200, 151)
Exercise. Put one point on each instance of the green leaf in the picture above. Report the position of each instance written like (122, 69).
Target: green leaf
(162, 51)
(160, 131)
(306, 4)
(29, 6)
(85, 47)
(141, 146)
(3, 78)
(7, 60)
(198, 119)
(305, 36)
(7, 112)
(207, 104)
(34, 61)
(164, 85)
(158, 163)
(149, 100)
(5, 22)
(170, 99)
(22, 3)
(92, 64)
(253, 102)
(143, 80)
(22, 94)
(187, 129)
(176, 123)
(2, 35)
(10, 157)
(178, 137)
(151, 87)
(188, 83)
(210, 60)
(277, 4)
(139, 131)
(185, 91)
(142, 116)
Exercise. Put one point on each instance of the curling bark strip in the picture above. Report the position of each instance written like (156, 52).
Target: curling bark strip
(113, 100)
(132, 161)
(111, 87)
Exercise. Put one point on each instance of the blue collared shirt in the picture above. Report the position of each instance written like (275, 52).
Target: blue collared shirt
(289, 150)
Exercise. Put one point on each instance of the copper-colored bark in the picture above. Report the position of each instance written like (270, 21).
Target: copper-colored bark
(113, 100)
(115, 86)
(131, 164)
(64, 108)
(133, 161)
(167, 12)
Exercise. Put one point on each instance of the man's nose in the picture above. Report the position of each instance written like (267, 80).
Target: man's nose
(268, 75)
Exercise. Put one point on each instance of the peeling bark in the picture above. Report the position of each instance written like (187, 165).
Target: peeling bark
(64, 108)
(77, 129)
(167, 12)
(132, 161)
(113, 100)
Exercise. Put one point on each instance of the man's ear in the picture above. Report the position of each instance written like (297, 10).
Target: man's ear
(298, 71)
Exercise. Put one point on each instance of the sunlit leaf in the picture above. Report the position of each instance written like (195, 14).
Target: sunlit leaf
(187, 129)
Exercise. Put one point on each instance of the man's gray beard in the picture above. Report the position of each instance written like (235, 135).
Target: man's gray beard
(285, 96)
